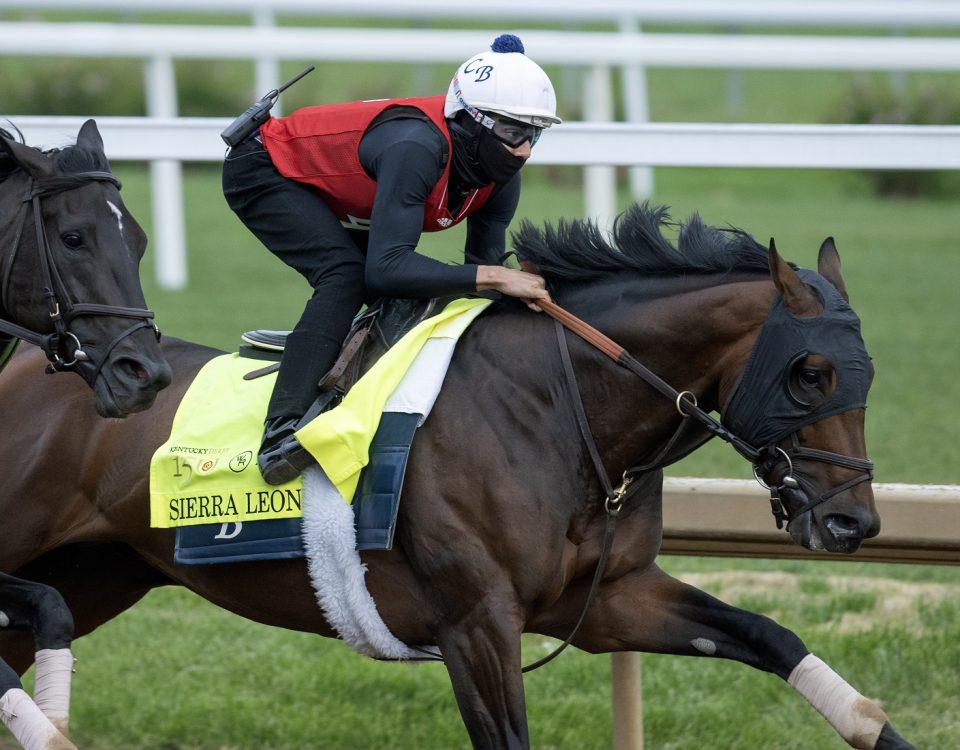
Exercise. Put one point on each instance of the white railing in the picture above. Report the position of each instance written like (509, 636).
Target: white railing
(602, 146)
(161, 44)
(851, 13)
(582, 143)
(581, 48)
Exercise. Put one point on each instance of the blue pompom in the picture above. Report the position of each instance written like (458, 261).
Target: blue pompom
(507, 43)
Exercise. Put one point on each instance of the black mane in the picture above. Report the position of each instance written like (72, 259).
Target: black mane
(578, 251)
(67, 160)
(78, 158)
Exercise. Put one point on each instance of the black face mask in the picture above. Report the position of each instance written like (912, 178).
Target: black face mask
(499, 164)
(762, 410)
(478, 157)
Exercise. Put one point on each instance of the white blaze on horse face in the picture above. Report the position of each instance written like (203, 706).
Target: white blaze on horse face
(119, 214)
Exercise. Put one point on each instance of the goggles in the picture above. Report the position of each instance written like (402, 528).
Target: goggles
(505, 129)
(512, 132)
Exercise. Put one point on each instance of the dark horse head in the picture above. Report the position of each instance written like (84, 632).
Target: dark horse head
(783, 363)
(69, 269)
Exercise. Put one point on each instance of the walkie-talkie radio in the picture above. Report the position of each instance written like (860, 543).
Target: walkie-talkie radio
(258, 113)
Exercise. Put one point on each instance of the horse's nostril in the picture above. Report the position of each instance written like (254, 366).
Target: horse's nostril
(132, 368)
(843, 526)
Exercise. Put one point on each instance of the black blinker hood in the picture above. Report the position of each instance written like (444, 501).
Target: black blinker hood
(761, 410)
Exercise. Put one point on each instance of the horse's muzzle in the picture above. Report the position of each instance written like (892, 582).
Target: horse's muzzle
(128, 384)
(839, 530)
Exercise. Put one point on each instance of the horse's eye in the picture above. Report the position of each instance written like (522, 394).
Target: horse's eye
(72, 239)
(809, 377)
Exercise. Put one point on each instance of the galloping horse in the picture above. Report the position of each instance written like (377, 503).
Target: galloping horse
(70, 285)
(514, 463)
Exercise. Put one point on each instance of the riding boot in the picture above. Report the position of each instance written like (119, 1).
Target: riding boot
(281, 457)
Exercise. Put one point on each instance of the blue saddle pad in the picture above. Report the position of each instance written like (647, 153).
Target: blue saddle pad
(375, 507)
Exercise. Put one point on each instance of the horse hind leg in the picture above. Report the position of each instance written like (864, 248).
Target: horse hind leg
(653, 612)
(41, 722)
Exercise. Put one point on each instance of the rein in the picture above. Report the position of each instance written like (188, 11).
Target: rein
(62, 312)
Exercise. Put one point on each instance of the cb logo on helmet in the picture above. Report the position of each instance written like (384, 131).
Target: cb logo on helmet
(483, 72)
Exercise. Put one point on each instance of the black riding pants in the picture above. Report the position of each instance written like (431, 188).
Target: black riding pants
(299, 228)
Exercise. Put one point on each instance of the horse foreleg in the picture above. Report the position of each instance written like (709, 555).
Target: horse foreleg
(651, 611)
(38, 723)
(482, 657)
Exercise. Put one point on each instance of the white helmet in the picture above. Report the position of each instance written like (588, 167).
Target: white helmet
(505, 81)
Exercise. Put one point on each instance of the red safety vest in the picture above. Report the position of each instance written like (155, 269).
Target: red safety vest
(319, 146)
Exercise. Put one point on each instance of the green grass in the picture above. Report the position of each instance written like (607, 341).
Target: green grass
(176, 673)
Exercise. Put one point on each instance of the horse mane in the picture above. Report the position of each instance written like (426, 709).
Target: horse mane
(67, 160)
(577, 251)
(7, 165)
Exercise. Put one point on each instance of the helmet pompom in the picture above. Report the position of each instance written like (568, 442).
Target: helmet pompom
(507, 43)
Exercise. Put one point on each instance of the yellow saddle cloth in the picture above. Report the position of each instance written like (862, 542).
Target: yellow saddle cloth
(206, 471)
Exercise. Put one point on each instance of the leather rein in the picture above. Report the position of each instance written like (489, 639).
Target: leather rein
(62, 347)
(764, 460)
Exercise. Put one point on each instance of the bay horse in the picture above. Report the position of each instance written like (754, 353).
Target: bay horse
(69, 266)
(514, 463)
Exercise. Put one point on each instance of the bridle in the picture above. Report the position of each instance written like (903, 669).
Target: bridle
(62, 347)
(764, 460)
(774, 455)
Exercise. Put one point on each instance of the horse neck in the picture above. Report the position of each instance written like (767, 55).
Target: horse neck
(697, 339)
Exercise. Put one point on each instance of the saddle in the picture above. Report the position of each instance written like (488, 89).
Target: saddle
(376, 499)
(376, 329)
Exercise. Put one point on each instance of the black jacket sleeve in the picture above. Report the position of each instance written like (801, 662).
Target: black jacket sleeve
(406, 158)
(487, 228)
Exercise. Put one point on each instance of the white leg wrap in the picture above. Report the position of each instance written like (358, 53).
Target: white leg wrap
(32, 729)
(52, 685)
(857, 719)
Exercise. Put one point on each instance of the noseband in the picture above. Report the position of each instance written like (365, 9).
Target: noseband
(772, 456)
(62, 347)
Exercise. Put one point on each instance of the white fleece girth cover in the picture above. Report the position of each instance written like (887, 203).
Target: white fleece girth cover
(330, 538)
(337, 572)
(858, 720)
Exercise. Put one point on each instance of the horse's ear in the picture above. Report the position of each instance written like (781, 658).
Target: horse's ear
(828, 266)
(797, 296)
(32, 160)
(89, 136)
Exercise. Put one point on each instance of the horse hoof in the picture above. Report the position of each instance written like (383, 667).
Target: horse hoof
(890, 740)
